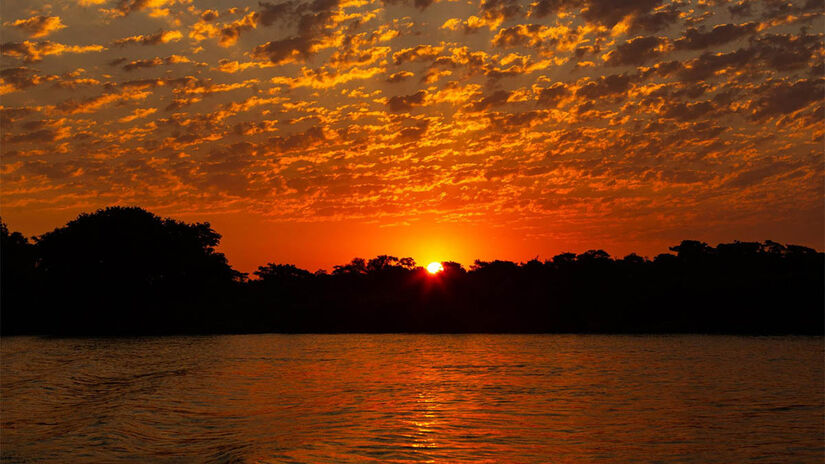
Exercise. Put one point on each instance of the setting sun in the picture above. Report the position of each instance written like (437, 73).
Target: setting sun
(434, 267)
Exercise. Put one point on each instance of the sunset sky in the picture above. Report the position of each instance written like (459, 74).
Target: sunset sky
(310, 132)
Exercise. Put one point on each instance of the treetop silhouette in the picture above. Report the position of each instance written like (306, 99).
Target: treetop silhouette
(124, 270)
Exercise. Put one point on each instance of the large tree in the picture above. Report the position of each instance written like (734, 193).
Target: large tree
(124, 269)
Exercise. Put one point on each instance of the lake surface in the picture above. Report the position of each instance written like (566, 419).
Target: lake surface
(413, 398)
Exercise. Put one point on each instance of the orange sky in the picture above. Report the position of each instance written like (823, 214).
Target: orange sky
(309, 132)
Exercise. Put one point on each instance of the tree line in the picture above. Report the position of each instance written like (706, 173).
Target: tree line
(126, 271)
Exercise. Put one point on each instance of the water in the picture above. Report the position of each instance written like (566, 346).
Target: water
(413, 398)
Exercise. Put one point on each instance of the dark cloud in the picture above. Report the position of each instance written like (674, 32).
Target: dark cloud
(300, 140)
(9, 116)
(784, 52)
(542, 8)
(399, 76)
(52, 171)
(413, 133)
(230, 32)
(709, 63)
(28, 51)
(270, 13)
(687, 111)
(719, 35)
(614, 84)
(126, 7)
(38, 26)
(39, 136)
(403, 103)
(551, 96)
(497, 98)
(312, 21)
(781, 52)
(152, 39)
(742, 8)
(20, 77)
(148, 63)
(500, 9)
(757, 174)
(610, 12)
(521, 35)
(636, 51)
(420, 4)
(417, 53)
(509, 121)
(657, 20)
(779, 98)
(279, 51)
(209, 15)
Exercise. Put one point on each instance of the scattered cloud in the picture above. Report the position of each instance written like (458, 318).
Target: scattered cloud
(37, 26)
(563, 119)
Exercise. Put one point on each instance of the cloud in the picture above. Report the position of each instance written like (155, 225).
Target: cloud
(38, 26)
(611, 12)
(90, 105)
(399, 76)
(31, 52)
(127, 7)
(757, 174)
(153, 62)
(12, 79)
(420, 4)
(286, 50)
(137, 114)
(229, 33)
(302, 140)
(551, 96)
(496, 99)
(655, 21)
(417, 53)
(498, 11)
(719, 35)
(708, 64)
(402, 103)
(312, 20)
(611, 85)
(581, 116)
(636, 51)
(161, 37)
(271, 13)
(780, 98)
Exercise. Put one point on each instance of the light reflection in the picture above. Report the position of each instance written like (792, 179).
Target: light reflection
(413, 398)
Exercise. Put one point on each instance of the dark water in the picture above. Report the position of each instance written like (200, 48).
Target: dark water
(413, 398)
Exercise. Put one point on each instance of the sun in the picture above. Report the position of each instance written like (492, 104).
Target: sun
(434, 267)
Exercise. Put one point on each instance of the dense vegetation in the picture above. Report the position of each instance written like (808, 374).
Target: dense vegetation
(126, 271)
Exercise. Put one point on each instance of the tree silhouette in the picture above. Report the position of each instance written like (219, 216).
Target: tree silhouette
(281, 272)
(125, 271)
(120, 269)
(17, 267)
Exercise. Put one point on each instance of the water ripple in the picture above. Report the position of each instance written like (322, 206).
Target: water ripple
(411, 399)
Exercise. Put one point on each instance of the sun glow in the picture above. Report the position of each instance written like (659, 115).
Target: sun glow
(434, 267)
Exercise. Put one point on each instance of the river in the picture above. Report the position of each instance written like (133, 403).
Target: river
(413, 398)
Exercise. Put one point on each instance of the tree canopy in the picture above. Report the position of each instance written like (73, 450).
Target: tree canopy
(123, 270)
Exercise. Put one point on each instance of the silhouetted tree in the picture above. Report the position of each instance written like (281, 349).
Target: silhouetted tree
(281, 272)
(356, 266)
(17, 267)
(633, 258)
(125, 270)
